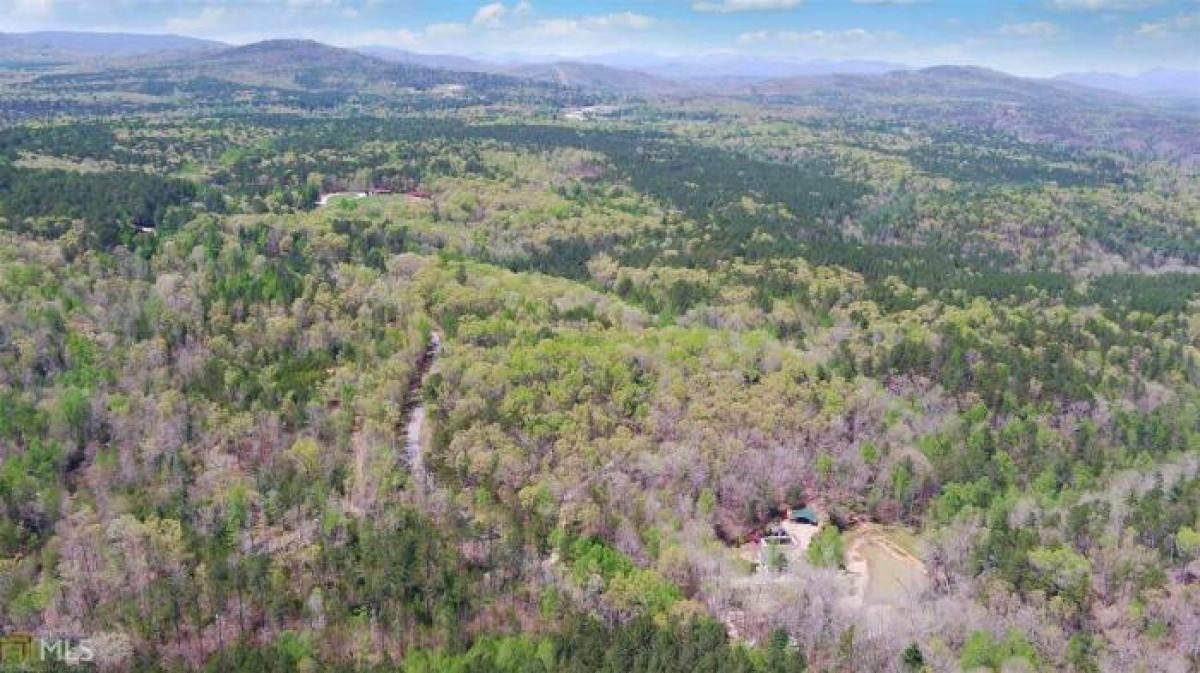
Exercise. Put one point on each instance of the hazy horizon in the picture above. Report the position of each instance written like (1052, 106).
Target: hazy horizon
(1033, 38)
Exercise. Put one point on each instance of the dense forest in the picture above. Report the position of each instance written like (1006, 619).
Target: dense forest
(297, 377)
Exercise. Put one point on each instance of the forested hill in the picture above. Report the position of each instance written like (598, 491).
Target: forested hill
(309, 65)
(600, 78)
(1041, 110)
(298, 74)
(950, 82)
(944, 323)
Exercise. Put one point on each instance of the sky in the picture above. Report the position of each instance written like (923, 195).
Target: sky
(1028, 37)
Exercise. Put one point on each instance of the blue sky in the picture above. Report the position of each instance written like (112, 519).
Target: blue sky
(1035, 37)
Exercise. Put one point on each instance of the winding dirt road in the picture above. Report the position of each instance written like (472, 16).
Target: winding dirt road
(416, 412)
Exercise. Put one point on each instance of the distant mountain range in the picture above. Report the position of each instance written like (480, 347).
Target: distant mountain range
(631, 72)
(634, 68)
(948, 82)
(116, 45)
(739, 66)
(1162, 83)
(635, 73)
(598, 77)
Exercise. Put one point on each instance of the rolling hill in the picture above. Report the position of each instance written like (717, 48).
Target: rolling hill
(597, 77)
(70, 44)
(292, 73)
(1030, 109)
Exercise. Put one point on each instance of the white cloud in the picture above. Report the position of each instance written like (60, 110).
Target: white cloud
(446, 29)
(815, 37)
(208, 20)
(492, 14)
(618, 20)
(887, 2)
(559, 27)
(1101, 5)
(558, 34)
(489, 15)
(432, 34)
(385, 38)
(731, 6)
(313, 4)
(1152, 29)
(1030, 29)
(31, 8)
(556, 27)
(1184, 24)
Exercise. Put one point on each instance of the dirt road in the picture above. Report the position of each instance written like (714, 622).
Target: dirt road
(416, 413)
